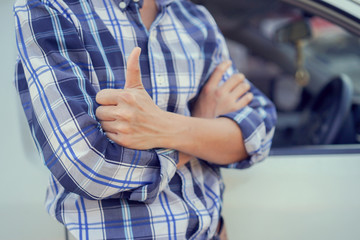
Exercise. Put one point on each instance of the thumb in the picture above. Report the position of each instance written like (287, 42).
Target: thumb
(133, 74)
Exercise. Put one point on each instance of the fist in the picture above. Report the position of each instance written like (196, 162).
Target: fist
(129, 116)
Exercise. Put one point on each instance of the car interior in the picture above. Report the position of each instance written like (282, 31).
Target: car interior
(308, 66)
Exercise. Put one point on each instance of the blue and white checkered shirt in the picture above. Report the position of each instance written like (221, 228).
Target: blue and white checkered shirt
(68, 51)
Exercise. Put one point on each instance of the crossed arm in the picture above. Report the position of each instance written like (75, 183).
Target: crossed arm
(131, 119)
(58, 101)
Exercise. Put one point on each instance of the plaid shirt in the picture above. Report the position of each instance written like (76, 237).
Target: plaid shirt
(68, 51)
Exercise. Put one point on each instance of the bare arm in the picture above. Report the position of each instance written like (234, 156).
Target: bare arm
(215, 100)
(215, 140)
(131, 119)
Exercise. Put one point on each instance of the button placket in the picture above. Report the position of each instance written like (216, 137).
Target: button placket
(194, 202)
(161, 80)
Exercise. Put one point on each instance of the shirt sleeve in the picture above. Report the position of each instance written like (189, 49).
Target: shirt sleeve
(54, 78)
(257, 120)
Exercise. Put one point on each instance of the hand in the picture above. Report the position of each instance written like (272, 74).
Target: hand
(215, 100)
(129, 116)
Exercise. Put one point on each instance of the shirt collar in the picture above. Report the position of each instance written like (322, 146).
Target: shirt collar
(123, 4)
(161, 3)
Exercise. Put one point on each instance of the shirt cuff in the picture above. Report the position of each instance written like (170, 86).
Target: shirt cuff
(257, 141)
(168, 159)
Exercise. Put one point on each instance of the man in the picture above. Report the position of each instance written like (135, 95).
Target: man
(107, 87)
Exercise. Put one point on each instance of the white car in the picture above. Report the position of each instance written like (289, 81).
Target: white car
(305, 55)
(307, 189)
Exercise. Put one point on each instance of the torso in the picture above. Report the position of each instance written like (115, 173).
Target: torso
(172, 83)
(148, 12)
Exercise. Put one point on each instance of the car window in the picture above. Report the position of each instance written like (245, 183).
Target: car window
(309, 67)
(309, 109)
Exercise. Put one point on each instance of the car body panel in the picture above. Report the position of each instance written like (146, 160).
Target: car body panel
(298, 197)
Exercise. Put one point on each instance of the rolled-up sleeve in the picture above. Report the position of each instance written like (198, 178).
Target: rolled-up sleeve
(55, 77)
(257, 124)
(257, 120)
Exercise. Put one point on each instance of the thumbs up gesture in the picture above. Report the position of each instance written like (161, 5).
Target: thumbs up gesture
(129, 116)
(133, 73)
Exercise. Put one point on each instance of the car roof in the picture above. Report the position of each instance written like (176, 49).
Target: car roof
(350, 6)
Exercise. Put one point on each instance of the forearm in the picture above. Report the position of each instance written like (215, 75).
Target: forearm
(218, 140)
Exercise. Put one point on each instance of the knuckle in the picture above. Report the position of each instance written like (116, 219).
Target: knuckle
(223, 66)
(99, 96)
(244, 101)
(233, 108)
(133, 69)
(234, 80)
(131, 98)
(247, 86)
(130, 114)
(124, 129)
(124, 114)
(218, 93)
(122, 96)
(239, 78)
(119, 97)
(230, 106)
(136, 70)
(118, 113)
(207, 90)
(98, 112)
(250, 96)
(220, 68)
(242, 76)
(118, 128)
(128, 97)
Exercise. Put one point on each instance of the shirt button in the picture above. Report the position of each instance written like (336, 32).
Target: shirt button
(122, 5)
(161, 81)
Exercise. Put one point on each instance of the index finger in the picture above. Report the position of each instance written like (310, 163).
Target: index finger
(108, 96)
(218, 73)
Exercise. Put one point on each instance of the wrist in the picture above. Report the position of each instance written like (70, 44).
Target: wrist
(201, 111)
(173, 128)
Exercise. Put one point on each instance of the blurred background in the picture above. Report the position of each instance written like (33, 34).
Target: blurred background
(23, 178)
(285, 197)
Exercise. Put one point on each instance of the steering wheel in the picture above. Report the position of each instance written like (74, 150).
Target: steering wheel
(327, 112)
